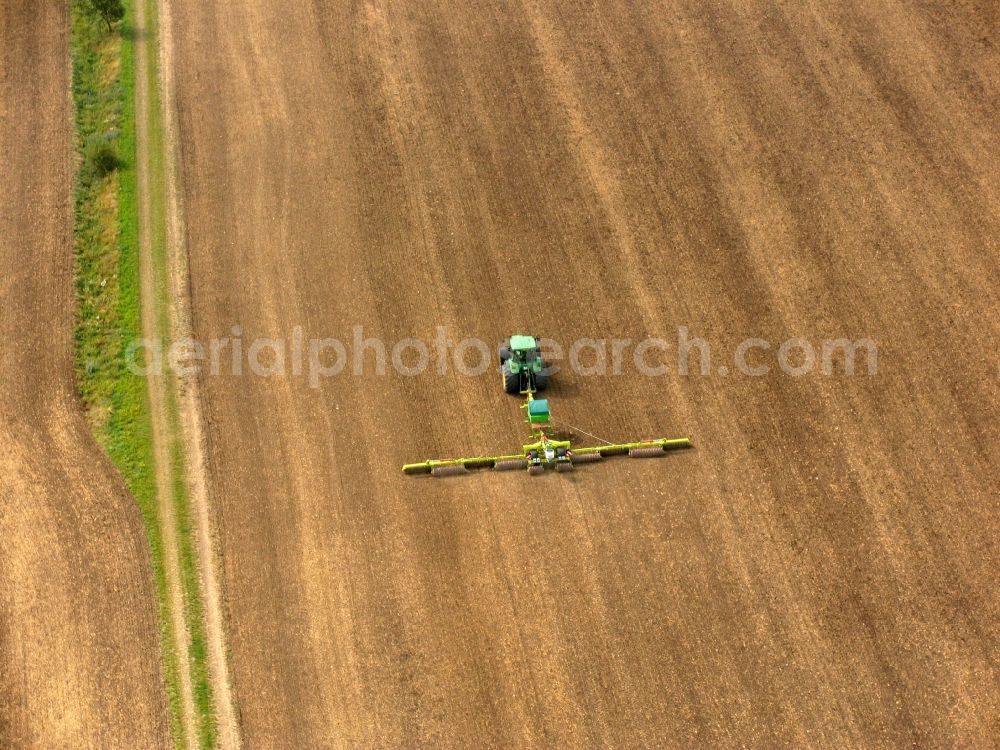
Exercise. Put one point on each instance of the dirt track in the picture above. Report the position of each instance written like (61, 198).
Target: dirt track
(821, 571)
(79, 650)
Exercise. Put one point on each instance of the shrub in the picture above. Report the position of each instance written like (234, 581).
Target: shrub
(101, 155)
(109, 10)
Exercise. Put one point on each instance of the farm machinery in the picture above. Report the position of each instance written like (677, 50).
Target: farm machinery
(524, 372)
(522, 366)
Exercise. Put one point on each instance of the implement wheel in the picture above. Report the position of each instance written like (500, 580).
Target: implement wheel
(510, 463)
(452, 470)
(653, 451)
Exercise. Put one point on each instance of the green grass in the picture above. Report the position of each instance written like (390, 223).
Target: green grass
(194, 614)
(106, 246)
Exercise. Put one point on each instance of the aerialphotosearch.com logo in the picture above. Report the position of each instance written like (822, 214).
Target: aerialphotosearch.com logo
(318, 359)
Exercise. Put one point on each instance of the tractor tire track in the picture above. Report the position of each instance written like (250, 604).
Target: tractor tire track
(157, 384)
(182, 391)
(193, 433)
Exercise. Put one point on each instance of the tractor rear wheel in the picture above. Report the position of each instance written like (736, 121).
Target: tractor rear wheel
(541, 381)
(511, 380)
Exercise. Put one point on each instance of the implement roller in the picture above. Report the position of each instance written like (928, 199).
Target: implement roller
(524, 372)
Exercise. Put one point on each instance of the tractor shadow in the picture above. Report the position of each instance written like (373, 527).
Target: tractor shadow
(557, 389)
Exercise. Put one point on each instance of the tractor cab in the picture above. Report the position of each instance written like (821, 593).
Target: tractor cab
(522, 366)
(523, 348)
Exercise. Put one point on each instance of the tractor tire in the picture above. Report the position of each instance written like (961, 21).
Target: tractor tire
(504, 352)
(511, 380)
(541, 381)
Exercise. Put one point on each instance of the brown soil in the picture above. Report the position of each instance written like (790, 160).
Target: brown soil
(79, 650)
(820, 571)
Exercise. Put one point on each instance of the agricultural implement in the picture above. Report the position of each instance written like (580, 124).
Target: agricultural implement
(525, 373)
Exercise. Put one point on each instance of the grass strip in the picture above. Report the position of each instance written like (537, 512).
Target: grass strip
(106, 249)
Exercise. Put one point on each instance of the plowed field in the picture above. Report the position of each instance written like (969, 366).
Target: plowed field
(821, 570)
(79, 649)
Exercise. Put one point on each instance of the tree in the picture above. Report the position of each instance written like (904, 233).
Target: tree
(109, 10)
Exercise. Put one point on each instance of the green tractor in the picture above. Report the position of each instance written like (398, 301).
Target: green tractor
(522, 366)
